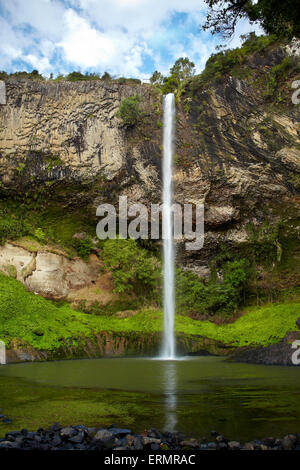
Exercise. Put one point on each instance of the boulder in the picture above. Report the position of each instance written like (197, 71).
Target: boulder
(78, 438)
(234, 445)
(249, 446)
(104, 439)
(288, 442)
(138, 443)
(67, 432)
(190, 443)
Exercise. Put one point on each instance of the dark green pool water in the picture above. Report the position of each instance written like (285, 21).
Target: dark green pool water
(194, 395)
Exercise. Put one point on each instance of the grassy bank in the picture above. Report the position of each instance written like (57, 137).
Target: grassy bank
(258, 326)
(45, 325)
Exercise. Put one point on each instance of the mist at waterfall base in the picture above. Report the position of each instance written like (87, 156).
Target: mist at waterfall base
(168, 349)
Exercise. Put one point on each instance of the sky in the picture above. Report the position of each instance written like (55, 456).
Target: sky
(130, 38)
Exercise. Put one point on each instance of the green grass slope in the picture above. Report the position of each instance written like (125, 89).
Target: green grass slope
(44, 324)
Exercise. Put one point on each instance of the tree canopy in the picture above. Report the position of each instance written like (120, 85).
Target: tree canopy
(183, 68)
(157, 78)
(275, 16)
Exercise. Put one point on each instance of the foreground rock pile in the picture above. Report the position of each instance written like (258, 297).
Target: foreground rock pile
(85, 438)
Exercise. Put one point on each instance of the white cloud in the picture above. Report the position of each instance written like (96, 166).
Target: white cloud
(84, 45)
(28, 32)
(112, 50)
(119, 36)
(40, 63)
(137, 16)
(44, 16)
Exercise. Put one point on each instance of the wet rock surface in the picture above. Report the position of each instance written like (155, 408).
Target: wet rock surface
(275, 354)
(90, 438)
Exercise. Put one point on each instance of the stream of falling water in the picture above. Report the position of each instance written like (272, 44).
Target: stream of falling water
(168, 351)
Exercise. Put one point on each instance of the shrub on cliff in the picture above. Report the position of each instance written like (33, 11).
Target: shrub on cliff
(195, 297)
(40, 235)
(231, 60)
(220, 297)
(83, 247)
(130, 111)
(77, 76)
(133, 269)
(34, 75)
(12, 227)
(128, 81)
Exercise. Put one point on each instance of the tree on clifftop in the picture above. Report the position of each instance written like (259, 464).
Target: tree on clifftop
(157, 78)
(183, 68)
(279, 17)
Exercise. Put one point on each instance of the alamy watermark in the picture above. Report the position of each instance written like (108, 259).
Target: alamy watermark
(296, 355)
(2, 353)
(137, 222)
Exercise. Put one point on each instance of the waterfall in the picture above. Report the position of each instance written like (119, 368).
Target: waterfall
(168, 351)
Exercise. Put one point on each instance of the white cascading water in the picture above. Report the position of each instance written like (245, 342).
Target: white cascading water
(168, 351)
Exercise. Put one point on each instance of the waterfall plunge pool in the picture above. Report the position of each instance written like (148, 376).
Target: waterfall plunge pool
(194, 395)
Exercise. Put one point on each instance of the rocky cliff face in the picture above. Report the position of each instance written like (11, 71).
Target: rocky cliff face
(239, 153)
(50, 274)
(237, 150)
(64, 131)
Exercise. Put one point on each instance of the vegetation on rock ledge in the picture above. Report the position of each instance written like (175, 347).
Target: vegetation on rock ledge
(44, 325)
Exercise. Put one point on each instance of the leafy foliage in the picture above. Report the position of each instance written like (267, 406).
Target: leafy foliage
(23, 313)
(128, 81)
(12, 227)
(83, 247)
(40, 235)
(275, 16)
(183, 68)
(130, 111)
(279, 73)
(96, 308)
(231, 60)
(132, 268)
(77, 76)
(34, 75)
(74, 76)
(31, 214)
(180, 72)
(264, 242)
(215, 297)
(157, 78)
(106, 76)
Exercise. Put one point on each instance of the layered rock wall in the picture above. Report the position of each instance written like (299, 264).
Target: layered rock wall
(236, 150)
